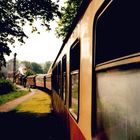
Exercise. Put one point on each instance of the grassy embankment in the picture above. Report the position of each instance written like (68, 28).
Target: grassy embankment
(12, 95)
(8, 91)
(39, 104)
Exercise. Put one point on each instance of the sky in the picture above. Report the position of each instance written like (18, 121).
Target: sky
(38, 47)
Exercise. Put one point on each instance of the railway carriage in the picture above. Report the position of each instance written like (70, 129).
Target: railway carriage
(48, 81)
(41, 80)
(96, 74)
(31, 80)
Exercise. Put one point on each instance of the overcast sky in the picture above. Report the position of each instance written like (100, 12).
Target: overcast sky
(38, 47)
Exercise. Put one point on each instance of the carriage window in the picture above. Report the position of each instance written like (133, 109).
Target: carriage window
(48, 82)
(74, 79)
(54, 79)
(64, 81)
(117, 31)
(59, 78)
(117, 88)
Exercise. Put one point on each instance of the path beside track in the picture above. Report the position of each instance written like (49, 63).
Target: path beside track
(14, 103)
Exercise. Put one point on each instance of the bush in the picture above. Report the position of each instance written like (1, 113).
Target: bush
(6, 86)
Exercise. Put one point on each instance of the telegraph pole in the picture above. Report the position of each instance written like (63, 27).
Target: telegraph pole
(14, 68)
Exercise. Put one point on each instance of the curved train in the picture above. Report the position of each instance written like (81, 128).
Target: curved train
(40, 80)
(95, 79)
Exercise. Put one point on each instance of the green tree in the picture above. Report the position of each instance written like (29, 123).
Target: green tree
(30, 72)
(35, 67)
(30, 10)
(68, 12)
(9, 28)
(47, 66)
(31, 67)
(15, 13)
(27, 64)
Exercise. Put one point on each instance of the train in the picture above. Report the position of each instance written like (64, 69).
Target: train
(95, 78)
(42, 81)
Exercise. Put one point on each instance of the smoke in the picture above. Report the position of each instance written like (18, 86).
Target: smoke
(22, 69)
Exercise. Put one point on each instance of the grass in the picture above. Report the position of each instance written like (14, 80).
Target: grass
(40, 103)
(75, 108)
(75, 91)
(12, 95)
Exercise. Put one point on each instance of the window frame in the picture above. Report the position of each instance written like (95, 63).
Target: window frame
(59, 78)
(73, 46)
(110, 61)
(122, 62)
(64, 73)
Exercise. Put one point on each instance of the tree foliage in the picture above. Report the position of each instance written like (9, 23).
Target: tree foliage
(9, 28)
(47, 66)
(15, 13)
(32, 67)
(26, 64)
(36, 67)
(45, 10)
(68, 12)
(30, 72)
(6, 86)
